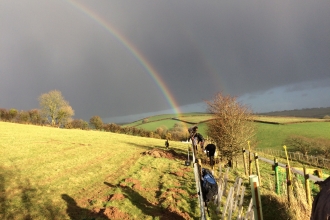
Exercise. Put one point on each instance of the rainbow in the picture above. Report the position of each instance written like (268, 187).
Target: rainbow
(132, 49)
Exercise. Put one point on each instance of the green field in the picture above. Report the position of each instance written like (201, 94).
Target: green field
(285, 120)
(273, 136)
(187, 117)
(167, 124)
(269, 134)
(51, 173)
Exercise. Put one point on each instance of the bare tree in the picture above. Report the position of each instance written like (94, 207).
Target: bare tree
(54, 108)
(231, 127)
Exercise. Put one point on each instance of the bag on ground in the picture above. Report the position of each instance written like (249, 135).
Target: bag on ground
(209, 185)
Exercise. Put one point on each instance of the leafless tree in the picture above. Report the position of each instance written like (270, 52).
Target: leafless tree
(232, 126)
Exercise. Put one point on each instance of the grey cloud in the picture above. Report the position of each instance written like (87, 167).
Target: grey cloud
(198, 48)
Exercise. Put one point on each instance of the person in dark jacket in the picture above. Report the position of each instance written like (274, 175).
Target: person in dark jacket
(167, 144)
(321, 203)
(210, 151)
(196, 137)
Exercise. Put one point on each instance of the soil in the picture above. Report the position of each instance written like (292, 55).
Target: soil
(169, 213)
(111, 213)
(169, 154)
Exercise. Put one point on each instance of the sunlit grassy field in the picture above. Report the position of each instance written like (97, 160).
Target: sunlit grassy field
(196, 118)
(280, 119)
(193, 116)
(167, 124)
(51, 173)
(273, 136)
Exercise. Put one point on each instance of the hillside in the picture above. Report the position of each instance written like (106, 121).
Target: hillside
(51, 173)
(307, 112)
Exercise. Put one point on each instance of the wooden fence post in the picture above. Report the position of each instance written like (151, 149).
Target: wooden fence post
(200, 168)
(277, 180)
(250, 159)
(307, 188)
(256, 197)
(229, 198)
(244, 162)
(250, 163)
(257, 167)
(288, 184)
(225, 182)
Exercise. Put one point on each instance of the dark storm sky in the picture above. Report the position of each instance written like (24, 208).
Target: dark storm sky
(198, 48)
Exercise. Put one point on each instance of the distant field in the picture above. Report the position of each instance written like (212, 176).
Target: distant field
(196, 118)
(150, 119)
(284, 120)
(190, 117)
(168, 123)
(273, 136)
(270, 134)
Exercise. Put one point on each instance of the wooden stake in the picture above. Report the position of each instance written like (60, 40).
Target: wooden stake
(307, 188)
(257, 167)
(254, 183)
(277, 180)
(250, 160)
(244, 162)
(288, 184)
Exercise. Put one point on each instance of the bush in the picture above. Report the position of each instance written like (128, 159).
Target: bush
(77, 123)
(23, 117)
(299, 143)
(96, 122)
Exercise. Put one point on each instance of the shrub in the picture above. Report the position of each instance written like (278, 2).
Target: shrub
(300, 143)
(96, 122)
(23, 117)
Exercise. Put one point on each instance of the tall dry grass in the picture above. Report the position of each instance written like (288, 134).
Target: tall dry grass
(278, 205)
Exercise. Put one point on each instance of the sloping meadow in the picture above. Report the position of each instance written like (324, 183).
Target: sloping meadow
(51, 173)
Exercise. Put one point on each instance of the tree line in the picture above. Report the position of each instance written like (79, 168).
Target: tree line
(231, 128)
(55, 111)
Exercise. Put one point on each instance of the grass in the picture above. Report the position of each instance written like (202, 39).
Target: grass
(51, 173)
(285, 120)
(268, 135)
(273, 136)
(152, 126)
(272, 203)
(191, 116)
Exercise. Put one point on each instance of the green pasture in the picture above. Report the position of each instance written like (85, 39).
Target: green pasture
(168, 123)
(273, 136)
(51, 173)
(196, 118)
(284, 120)
(193, 117)
(268, 135)
(150, 119)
